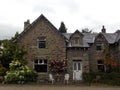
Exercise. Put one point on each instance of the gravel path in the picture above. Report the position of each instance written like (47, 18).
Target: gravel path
(55, 87)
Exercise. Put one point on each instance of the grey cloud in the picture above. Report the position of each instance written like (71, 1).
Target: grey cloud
(93, 21)
(97, 25)
(39, 8)
(50, 7)
(72, 5)
(7, 31)
(44, 6)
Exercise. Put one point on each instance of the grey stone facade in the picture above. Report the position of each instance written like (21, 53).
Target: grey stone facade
(74, 47)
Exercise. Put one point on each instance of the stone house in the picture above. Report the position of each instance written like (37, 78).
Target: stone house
(82, 51)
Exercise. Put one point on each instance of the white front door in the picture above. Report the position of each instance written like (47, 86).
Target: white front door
(77, 70)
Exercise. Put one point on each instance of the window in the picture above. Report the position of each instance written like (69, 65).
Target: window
(77, 65)
(76, 40)
(101, 67)
(40, 65)
(98, 46)
(41, 42)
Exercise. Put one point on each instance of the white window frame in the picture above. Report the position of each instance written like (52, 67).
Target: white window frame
(100, 64)
(41, 63)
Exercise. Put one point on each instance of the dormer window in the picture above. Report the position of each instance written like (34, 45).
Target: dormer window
(41, 42)
(99, 46)
(76, 40)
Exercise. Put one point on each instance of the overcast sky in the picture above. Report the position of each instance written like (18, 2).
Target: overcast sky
(76, 14)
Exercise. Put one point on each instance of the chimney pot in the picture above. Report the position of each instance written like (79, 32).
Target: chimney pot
(26, 24)
(103, 30)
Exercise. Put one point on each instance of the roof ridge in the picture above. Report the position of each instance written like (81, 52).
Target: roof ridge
(35, 21)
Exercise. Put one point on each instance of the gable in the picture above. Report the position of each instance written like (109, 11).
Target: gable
(42, 21)
(100, 38)
(76, 39)
(77, 34)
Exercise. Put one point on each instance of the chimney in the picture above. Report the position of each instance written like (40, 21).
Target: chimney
(103, 30)
(26, 24)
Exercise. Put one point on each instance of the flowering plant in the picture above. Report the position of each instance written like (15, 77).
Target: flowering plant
(57, 66)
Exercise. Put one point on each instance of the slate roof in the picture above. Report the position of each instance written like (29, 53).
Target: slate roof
(118, 35)
(90, 37)
(110, 37)
(87, 37)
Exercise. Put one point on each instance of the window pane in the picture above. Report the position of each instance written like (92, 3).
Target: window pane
(75, 66)
(99, 46)
(40, 61)
(37, 68)
(100, 62)
(76, 39)
(41, 44)
(79, 66)
(41, 68)
(36, 61)
(45, 61)
(101, 68)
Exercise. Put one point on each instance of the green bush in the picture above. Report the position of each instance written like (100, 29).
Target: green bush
(19, 74)
(2, 71)
(88, 77)
(112, 78)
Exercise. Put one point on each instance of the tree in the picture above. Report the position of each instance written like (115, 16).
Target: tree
(10, 51)
(86, 30)
(6, 53)
(15, 37)
(62, 28)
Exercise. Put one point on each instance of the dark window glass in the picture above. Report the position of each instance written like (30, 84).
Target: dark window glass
(42, 44)
(40, 61)
(40, 65)
(98, 46)
(75, 66)
(100, 62)
(79, 66)
(101, 67)
(36, 61)
(45, 61)
(41, 68)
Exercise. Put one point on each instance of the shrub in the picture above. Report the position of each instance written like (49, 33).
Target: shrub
(112, 78)
(2, 71)
(58, 66)
(19, 73)
(88, 77)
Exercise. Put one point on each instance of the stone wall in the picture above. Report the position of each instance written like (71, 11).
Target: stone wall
(115, 51)
(77, 54)
(95, 55)
(55, 42)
